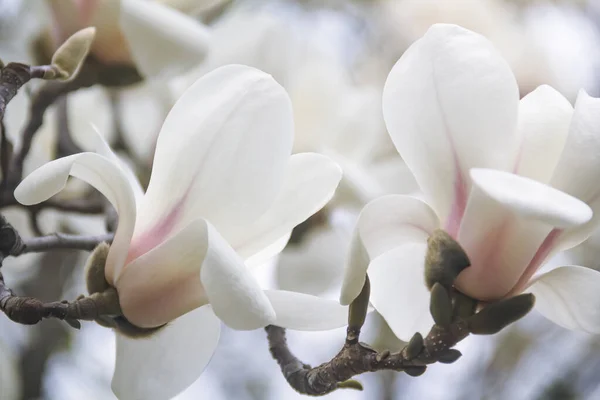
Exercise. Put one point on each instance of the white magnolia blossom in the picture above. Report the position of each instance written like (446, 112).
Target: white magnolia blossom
(156, 39)
(513, 181)
(223, 189)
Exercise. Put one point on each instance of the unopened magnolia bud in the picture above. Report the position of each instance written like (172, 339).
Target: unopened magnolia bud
(350, 384)
(496, 316)
(440, 305)
(357, 312)
(445, 259)
(94, 269)
(449, 356)
(69, 57)
(415, 370)
(414, 347)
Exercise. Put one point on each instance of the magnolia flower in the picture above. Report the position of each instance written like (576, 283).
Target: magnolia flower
(224, 189)
(154, 38)
(513, 181)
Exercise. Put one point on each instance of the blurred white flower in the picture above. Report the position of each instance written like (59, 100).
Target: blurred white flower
(408, 20)
(157, 40)
(508, 179)
(223, 189)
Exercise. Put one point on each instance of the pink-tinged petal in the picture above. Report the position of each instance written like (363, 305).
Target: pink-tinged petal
(450, 104)
(104, 175)
(109, 45)
(578, 171)
(309, 183)
(192, 268)
(544, 119)
(221, 153)
(163, 42)
(507, 219)
(384, 224)
(305, 312)
(569, 297)
(398, 290)
(163, 365)
(65, 20)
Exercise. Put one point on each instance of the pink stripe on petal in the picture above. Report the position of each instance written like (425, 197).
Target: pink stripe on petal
(459, 204)
(155, 235)
(540, 256)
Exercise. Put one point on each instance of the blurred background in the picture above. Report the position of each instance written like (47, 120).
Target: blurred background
(333, 58)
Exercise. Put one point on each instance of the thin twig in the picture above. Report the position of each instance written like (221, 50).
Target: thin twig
(59, 241)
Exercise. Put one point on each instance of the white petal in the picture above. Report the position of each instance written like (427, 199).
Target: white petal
(305, 312)
(222, 151)
(100, 146)
(569, 297)
(163, 365)
(398, 290)
(162, 41)
(507, 219)
(450, 104)
(104, 175)
(532, 199)
(384, 224)
(192, 268)
(310, 182)
(544, 118)
(578, 171)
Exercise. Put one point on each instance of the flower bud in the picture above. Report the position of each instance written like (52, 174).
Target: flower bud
(69, 57)
(440, 305)
(357, 311)
(445, 259)
(414, 347)
(449, 356)
(415, 370)
(94, 269)
(496, 316)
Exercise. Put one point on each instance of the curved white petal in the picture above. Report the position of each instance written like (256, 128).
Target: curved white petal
(398, 290)
(385, 223)
(305, 312)
(99, 145)
(104, 175)
(507, 219)
(309, 183)
(162, 41)
(532, 199)
(222, 151)
(163, 365)
(450, 103)
(578, 171)
(569, 297)
(194, 267)
(544, 118)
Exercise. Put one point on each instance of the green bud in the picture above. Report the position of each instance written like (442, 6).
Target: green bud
(357, 311)
(440, 305)
(449, 356)
(350, 384)
(445, 259)
(69, 57)
(496, 316)
(414, 347)
(464, 306)
(73, 323)
(415, 370)
(94, 270)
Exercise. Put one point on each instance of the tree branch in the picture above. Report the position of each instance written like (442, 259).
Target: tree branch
(356, 358)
